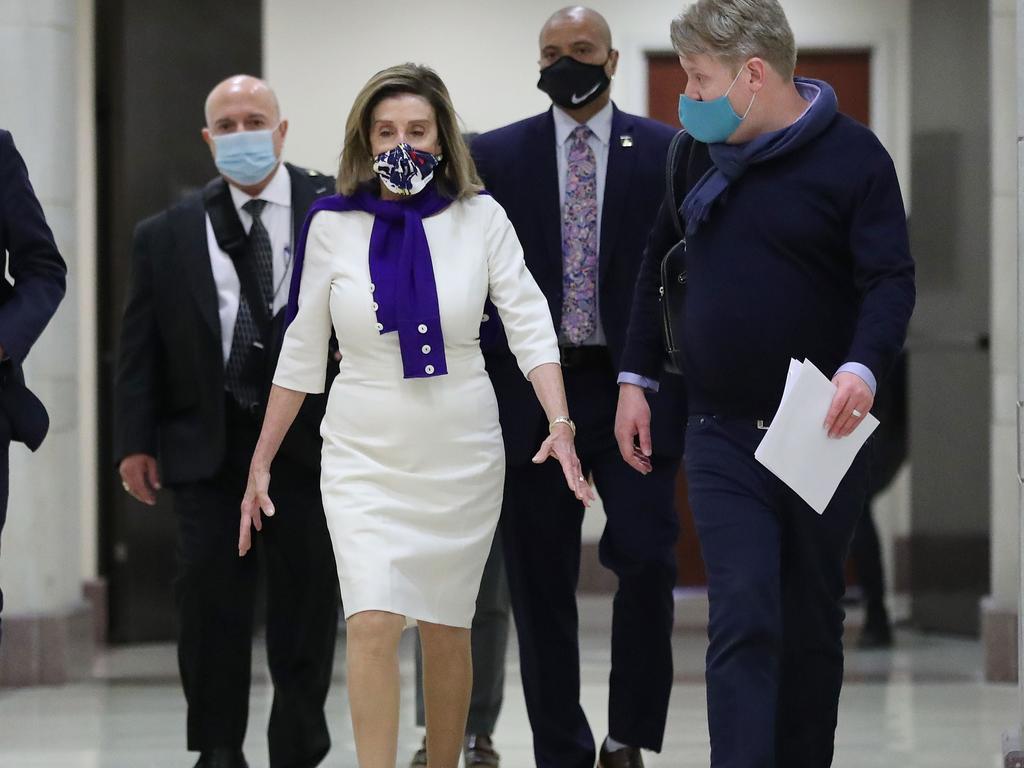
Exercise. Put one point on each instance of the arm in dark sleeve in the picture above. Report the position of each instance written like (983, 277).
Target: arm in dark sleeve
(644, 353)
(883, 271)
(136, 381)
(34, 262)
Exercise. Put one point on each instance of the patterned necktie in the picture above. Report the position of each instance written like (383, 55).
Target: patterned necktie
(260, 254)
(579, 240)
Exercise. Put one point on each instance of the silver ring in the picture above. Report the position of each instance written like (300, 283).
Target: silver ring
(857, 414)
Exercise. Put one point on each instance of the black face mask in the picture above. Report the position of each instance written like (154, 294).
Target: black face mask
(571, 84)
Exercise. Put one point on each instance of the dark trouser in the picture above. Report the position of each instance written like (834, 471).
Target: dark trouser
(489, 641)
(775, 580)
(541, 522)
(215, 591)
(867, 558)
(5, 450)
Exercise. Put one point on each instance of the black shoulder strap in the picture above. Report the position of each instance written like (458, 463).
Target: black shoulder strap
(698, 160)
(231, 238)
(671, 163)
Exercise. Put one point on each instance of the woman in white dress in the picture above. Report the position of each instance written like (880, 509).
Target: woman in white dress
(400, 264)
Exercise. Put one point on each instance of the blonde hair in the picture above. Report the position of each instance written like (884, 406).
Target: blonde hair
(456, 176)
(737, 30)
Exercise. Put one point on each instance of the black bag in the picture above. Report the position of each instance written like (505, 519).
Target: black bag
(673, 264)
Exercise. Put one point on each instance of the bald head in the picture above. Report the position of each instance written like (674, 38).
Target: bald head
(240, 104)
(241, 94)
(581, 20)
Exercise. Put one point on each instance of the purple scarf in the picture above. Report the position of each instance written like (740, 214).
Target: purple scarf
(730, 161)
(400, 270)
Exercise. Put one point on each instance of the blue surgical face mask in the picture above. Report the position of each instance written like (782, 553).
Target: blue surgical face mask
(246, 157)
(711, 122)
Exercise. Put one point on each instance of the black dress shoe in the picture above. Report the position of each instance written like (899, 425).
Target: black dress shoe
(875, 636)
(480, 752)
(221, 758)
(627, 757)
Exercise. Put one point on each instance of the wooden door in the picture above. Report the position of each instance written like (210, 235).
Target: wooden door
(155, 63)
(849, 73)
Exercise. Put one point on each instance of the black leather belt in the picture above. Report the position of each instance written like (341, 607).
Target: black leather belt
(584, 357)
(704, 418)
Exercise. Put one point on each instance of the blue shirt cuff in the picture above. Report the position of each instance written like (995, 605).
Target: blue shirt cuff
(863, 371)
(649, 385)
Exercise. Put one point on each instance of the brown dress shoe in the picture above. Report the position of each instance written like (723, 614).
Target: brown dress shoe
(628, 757)
(479, 751)
(419, 760)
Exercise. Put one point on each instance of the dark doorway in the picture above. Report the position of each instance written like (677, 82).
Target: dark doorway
(155, 63)
(849, 73)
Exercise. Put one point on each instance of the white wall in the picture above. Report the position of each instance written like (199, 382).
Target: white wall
(319, 53)
(1004, 532)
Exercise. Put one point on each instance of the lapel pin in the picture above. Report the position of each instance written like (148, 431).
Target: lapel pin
(626, 141)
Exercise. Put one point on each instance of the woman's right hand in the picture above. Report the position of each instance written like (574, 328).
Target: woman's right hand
(255, 503)
(561, 446)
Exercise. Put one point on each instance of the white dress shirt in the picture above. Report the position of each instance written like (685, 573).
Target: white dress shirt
(277, 219)
(601, 133)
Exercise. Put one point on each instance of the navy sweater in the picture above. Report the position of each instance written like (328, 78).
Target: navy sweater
(805, 256)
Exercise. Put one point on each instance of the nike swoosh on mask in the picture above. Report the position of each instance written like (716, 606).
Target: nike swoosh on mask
(577, 99)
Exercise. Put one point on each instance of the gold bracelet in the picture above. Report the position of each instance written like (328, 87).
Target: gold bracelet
(562, 420)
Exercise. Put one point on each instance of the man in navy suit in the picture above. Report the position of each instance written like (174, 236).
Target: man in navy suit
(33, 261)
(582, 183)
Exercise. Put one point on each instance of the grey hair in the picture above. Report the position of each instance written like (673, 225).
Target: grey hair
(737, 30)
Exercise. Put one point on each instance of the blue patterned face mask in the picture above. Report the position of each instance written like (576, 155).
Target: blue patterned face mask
(404, 170)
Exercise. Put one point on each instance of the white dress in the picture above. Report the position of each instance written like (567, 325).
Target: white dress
(412, 469)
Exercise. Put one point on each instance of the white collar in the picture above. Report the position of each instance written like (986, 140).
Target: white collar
(600, 124)
(278, 191)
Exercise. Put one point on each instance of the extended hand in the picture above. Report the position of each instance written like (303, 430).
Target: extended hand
(255, 501)
(633, 426)
(560, 445)
(140, 477)
(852, 402)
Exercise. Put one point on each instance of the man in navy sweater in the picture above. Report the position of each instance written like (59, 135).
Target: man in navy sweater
(796, 247)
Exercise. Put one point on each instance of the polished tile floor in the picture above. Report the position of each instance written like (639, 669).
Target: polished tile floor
(921, 705)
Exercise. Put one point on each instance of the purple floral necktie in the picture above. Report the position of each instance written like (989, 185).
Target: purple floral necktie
(579, 240)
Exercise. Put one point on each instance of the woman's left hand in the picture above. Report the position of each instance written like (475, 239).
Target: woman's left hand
(560, 445)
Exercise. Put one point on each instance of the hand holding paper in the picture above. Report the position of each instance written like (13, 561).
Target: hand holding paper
(797, 448)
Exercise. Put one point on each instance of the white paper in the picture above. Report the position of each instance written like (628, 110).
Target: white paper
(796, 447)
